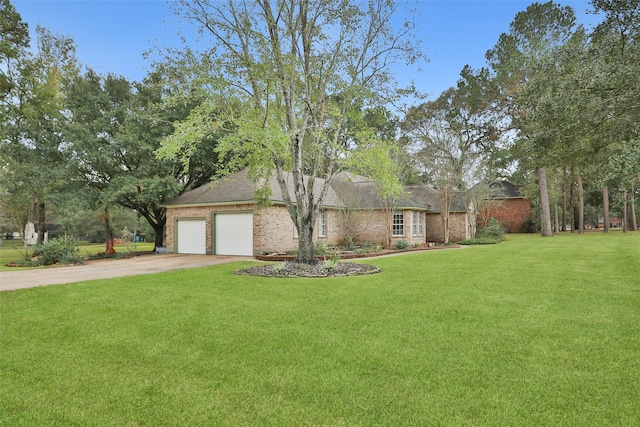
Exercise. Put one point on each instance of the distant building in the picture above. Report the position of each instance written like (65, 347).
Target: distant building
(510, 208)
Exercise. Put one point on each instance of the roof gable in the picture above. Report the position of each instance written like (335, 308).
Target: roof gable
(345, 190)
(509, 190)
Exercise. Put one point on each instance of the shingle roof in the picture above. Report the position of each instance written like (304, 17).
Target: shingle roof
(509, 190)
(345, 190)
(239, 188)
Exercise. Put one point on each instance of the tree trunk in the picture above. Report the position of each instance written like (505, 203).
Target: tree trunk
(306, 253)
(605, 205)
(580, 205)
(545, 212)
(564, 208)
(624, 213)
(41, 222)
(572, 213)
(632, 213)
(158, 228)
(556, 218)
(445, 226)
(110, 250)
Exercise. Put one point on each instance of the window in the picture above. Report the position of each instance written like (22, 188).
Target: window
(418, 223)
(322, 223)
(398, 223)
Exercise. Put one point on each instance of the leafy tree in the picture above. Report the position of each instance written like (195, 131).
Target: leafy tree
(445, 150)
(14, 38)
(517, 59)
(116, 127)
(616, 48)
(33, 150)
(287, 75)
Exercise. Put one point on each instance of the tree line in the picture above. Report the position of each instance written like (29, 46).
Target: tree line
(306, 87)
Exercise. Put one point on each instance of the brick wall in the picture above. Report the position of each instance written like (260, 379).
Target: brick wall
(204, 212)
(458, 227)
(273, 229)
(373, 227)
(512, 213)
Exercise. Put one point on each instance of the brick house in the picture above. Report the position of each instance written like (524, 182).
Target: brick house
(224, 218)
(508, 206)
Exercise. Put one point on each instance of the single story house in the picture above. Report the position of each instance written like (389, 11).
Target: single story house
(508, 206)
(224, 219)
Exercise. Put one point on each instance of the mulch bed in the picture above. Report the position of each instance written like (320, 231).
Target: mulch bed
(287, 267)
(294, 269)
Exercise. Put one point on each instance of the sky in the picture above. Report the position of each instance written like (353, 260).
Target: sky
(112, 35)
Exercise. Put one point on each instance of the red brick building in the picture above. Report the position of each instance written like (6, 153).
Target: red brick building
(510, 208)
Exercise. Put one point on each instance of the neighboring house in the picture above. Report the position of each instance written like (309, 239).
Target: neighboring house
(508, 206)
(224, 218)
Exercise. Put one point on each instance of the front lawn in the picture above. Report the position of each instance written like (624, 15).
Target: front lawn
(532, 331)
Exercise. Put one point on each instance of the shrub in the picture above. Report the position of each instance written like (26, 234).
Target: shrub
(401, 244)
(330, 264)
(529, 226)
(480, 241)
(493, 230)
(62, 249)
(320, 248)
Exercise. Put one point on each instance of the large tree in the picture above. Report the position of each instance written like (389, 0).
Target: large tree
(289, 73)
(115, 128)
(446, 150)
(33, 150)
(534, 37)
(14, 38)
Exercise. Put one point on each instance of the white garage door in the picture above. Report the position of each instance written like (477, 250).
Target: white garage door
(234, 234)
(192, 236)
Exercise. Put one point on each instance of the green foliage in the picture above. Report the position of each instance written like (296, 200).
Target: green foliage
(331, 263)
(529, 226)
(493, 230)
(320, 248)
(61, 250)
(14, 37)
(480, 241)
(279, 266)
(401, 244)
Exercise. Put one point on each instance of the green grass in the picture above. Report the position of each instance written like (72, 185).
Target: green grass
(13, 250)
(531, 331)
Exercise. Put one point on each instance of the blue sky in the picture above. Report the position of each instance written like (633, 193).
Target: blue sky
(112, 35)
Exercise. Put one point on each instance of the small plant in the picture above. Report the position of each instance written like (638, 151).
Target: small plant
(401, 244)
(493, 230)
(63, 249)
(416, 244)
(331, 263)
(320, 248)
(279, 266)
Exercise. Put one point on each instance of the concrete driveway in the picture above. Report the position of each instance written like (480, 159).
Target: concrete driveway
(108, 268)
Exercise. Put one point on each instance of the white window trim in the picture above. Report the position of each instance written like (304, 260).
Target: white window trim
(322, 223)
(419, 224)
(399, 213)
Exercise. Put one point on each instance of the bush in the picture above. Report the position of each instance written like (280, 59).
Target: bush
(480, 241)
(331, 264)
(320, 248)
(62, 249)
(401, 244)
(529, 226)
(493, 230)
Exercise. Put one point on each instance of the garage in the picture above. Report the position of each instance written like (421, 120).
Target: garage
(233, 234)
(191, 236)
